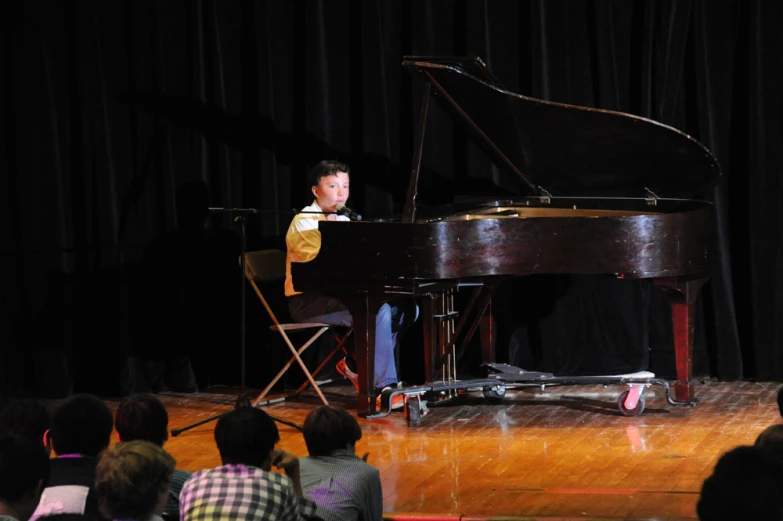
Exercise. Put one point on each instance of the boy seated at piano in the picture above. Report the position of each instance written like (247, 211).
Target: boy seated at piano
(330, 182)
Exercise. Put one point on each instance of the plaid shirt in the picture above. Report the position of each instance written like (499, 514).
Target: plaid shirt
(239, 492)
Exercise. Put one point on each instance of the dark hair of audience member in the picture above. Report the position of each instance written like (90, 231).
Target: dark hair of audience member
(246, 436)
(26, 418)
(142, 417)
(130, 479)
(82, 424)
(329, 428)
(24, 469)
(780, 400)
(771, 442)
(745, 484)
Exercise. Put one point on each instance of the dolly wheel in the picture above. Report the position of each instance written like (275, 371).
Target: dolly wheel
(636, 411)
(494, 393)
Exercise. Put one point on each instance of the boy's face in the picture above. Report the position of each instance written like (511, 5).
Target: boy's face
(332, 190)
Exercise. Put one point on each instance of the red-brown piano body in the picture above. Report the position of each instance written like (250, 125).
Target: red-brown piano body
(596, 182)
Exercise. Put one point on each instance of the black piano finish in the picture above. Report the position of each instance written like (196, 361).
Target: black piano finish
(631, 232)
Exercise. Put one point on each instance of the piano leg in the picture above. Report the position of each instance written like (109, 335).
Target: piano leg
(364, 310)
(682, 297)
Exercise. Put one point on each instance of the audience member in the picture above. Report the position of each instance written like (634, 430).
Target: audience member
(745, 484)
(144, 417)
(771, 442)
(343, 486)
(780, 401)
(28, 419)
(66, 517)
(132, 481)
(24, 471)
(80, 430)
(244, 487)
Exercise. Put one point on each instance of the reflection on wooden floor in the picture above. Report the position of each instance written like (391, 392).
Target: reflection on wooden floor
(564, 452)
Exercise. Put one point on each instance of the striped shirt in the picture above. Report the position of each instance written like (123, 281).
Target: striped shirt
(234, 492)
(344, 487)
(178, 479)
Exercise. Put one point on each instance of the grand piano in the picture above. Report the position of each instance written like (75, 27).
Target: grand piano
(605, 193)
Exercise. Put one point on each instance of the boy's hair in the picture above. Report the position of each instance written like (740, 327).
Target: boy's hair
(326, 168)
(26, 418)
(745, 484)
(82, 424)
(246, 436)
(130, 478)
(329, 428)
(142, 417)
(23, 464)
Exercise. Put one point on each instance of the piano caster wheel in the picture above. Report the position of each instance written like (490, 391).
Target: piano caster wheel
(636, 411)
(494, 393)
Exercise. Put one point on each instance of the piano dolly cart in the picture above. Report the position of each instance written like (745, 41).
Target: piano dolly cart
(630, 402)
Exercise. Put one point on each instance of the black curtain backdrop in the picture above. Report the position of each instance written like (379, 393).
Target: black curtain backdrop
(121, 118)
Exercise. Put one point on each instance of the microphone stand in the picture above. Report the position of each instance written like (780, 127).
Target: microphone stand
(242, 399)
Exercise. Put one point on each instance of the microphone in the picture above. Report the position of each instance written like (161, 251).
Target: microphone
(344, 210)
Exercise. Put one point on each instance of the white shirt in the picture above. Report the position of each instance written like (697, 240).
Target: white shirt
(303, 241)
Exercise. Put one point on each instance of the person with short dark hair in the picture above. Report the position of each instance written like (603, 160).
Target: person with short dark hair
(344, 486)
(745, 484)
(24, 471)
(244, 487)
(28, 419)
(331, 187)
(132, 481)
(81, 429)
(771, 442)
(81, 425)
(144, 417)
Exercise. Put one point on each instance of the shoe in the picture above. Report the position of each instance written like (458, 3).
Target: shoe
(343, 369)
(397, 401)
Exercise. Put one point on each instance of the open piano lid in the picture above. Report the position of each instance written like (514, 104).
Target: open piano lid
(567, 150)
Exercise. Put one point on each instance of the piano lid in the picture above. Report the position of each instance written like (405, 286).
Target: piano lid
(567, 150)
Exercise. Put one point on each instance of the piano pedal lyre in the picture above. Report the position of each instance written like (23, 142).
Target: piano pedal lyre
(446, 319)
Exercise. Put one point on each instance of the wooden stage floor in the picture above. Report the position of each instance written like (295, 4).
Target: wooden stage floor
(565, 452)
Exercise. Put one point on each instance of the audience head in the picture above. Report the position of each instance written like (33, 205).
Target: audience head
(329, 428)
(780, 400)
(142, 417)
(771, 442)
(246, 436)
(24, 471)
(132, 480)
(82, 424)
(27, 419)
(745, 484)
